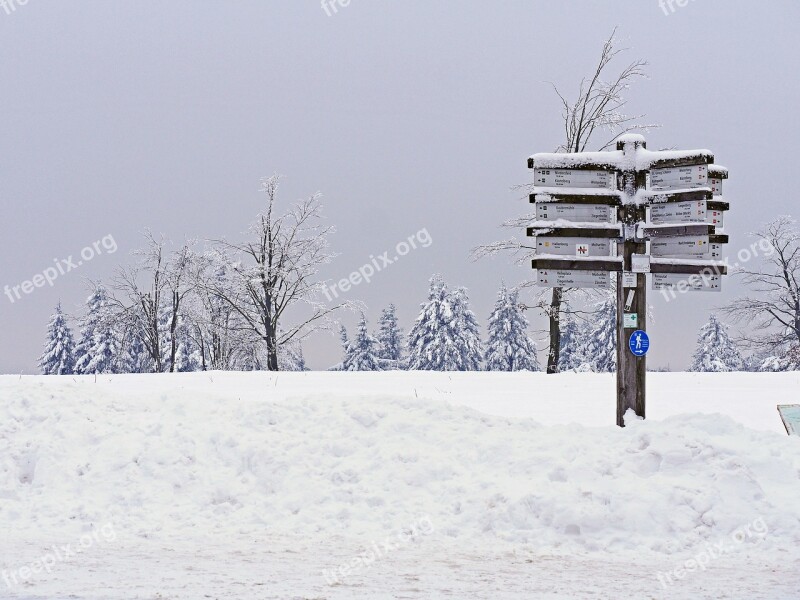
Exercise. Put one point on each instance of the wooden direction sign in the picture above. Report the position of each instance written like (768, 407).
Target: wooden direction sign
(574, 178)
(589, 204)
(688, 212)
(576, 213)
(573, 279)
(679, 178)
(573, 246)
(678, 229)
(697, 246)
(678, 212)
(683, 282)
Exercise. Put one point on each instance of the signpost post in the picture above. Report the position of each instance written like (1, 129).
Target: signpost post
(580, 240)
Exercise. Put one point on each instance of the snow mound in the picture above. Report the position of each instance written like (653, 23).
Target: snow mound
(165, 462)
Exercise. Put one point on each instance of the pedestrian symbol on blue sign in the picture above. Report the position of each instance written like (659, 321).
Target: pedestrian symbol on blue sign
(639, 343)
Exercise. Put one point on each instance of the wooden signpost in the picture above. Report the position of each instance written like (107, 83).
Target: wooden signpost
(596, 214)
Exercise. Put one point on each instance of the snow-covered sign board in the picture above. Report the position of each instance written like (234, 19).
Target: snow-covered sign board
(573, 246)
(577, 213)
(573, 279)
(573, 178)
(790, 415)
(715, 185)
(683, 245)
(679, 178)
(694, 211)
(711, 251)
(687, 283)
(679, 212)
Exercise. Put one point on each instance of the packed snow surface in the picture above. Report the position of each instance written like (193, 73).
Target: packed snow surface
(523, 464)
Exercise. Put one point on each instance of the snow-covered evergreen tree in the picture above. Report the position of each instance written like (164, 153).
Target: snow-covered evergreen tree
(781, 360)
(346, 350)
(187, 356)
(599, 353)
(716, 352)
(97, 350)
(572, 336)
(390, 339)
(509, 348)
(58, 357)
(445, 336)
(135, 357)
(290, 357)
(165, 336)
(363, 351)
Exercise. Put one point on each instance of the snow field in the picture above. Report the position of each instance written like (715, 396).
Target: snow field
(256, 455)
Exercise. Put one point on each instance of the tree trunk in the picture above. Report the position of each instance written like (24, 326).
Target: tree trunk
(173, 351)
(272, 350)
(555, 331)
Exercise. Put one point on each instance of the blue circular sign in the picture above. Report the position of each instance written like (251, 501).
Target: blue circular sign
(639, 343)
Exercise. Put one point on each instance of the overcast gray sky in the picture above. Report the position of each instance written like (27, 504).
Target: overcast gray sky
(119, 115)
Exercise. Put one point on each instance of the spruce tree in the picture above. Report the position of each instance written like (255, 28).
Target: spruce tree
(290, 357)
(346, 350)
(97, 350)
(445, 336)
(509, 348)
(716, 352)
(572, 337)
(364, 350)
(466, 332)
(390, 339)
(599, 353)
(58, 357)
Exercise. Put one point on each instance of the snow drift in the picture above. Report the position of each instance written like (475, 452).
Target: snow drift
(240, 455)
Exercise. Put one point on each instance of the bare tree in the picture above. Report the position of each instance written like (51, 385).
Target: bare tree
(600, 102)
(772, 309)
(598, 107)
(157, 285)
(275, 272)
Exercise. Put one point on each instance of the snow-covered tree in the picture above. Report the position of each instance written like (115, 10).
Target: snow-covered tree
(445, 336)
(97, 350)
(188, 356)
(346, 350)
(509, 348)
(290, 357)
(599, 353)
(363, 351)
(135, 356)
(572, 336)
(716, 352)
(275, 273)
(785, 359)
(58, 357)
(390, 338)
